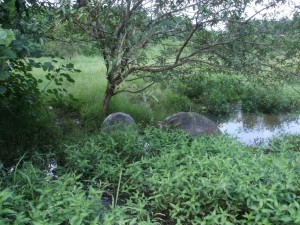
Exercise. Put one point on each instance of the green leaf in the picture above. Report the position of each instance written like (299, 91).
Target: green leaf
(3, 37)
(8, 211)
(285, 218)
(47, 66)
(34, 63)
(70, 66)
(8, 53)
(6, 37)
(42, 41)
(69, 78)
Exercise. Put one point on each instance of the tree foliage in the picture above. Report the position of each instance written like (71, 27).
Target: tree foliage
(125, 32)
(19, 40)
(22, 94)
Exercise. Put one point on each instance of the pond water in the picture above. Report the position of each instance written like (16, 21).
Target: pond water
(256, 129)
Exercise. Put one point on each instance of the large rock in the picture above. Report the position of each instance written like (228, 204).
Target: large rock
(117, 121)
(190, 122)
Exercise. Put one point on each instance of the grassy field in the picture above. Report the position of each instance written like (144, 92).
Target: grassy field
(148, 107)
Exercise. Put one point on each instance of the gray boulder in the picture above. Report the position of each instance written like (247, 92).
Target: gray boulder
(117, 121)
(190, 122)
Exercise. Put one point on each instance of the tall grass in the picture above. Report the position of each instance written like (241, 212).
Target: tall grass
(89, 89)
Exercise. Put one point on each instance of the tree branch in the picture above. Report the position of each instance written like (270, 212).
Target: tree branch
(134, 92)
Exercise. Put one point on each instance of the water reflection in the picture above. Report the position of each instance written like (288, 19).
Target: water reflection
(253, 129)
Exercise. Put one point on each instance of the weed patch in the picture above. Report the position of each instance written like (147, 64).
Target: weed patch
(217, 181)
(157, 178)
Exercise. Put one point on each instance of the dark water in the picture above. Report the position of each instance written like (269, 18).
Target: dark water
(253, 129)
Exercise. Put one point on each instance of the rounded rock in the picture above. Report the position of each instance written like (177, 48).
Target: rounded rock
(190, 122)
(117, 121)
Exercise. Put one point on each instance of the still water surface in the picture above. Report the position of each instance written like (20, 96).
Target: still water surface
(253, 129)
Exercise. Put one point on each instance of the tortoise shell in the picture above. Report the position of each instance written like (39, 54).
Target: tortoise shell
(190, 122)
(117, 121)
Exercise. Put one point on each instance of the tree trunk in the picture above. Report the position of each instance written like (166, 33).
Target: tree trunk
(107, 97)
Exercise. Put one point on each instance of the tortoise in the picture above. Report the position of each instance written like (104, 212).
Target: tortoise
(190, 122)
(117, 121)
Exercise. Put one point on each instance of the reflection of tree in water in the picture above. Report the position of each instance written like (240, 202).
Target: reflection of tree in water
(256, 129)
(272, 122)
(288, 118)
(250, 121)
(266, 121)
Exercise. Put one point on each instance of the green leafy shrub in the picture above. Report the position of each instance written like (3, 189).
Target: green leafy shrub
(103, 156)
(218, 93)
(218, 181)
(157, 178)
(215, 93)
(133, 106)
(29, 196)
(25, 134)
(150, 106)
(22, 101)
(289, 142)
(170, 103)
(268, 99)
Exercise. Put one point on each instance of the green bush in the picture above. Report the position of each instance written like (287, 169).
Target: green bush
(157, 178)
(20, 134)
(290, 142)
(133, 106)
(218, 93)
(170, 103)
(103, 156)
(29, 196)
(215, 93)
(218, 181)
(266, 99)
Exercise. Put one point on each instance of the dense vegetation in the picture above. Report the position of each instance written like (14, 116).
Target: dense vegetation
(157, 178)
(150, 177)
(59, 62)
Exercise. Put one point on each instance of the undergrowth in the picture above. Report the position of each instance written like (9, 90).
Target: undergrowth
(150, 176)
(217, 181)
(156, 178)
(217, 94)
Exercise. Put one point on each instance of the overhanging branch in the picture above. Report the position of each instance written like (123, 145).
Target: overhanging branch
(134, 92)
